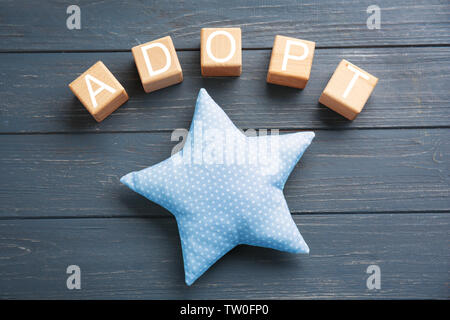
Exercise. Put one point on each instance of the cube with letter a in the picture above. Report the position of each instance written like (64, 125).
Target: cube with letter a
(291, 61)
(348, 90)
(221, 52)
(157, 64)
(99, 91)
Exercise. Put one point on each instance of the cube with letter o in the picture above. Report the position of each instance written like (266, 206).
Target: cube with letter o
(157, 64)
(221, 52)
(291, 61)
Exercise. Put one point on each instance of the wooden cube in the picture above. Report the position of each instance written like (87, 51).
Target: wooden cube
(221, 52)
(348, 90)
(99, 91)
(157, 64)
(291, 61)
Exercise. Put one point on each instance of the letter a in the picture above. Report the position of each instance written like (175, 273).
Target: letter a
(374, 280)
(103, 86)
(74, 280)
(373, 21)
(74, 20)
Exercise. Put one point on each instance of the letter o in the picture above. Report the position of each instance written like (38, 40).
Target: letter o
(232, 42)
(265, 309)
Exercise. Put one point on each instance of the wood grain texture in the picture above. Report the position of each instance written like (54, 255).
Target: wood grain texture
(360, 171)
(118, 25)
(412, 92)
(380, 195)
(141, 258)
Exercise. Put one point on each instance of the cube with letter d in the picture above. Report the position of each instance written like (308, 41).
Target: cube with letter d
(221, 52)
(348, 90)
(291, 61)
(157, 64)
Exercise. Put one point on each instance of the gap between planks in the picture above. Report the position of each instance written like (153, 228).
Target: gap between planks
(169, 216)
(286, 130)
(417, 45)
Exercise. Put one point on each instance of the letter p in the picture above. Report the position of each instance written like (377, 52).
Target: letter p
(288, 56)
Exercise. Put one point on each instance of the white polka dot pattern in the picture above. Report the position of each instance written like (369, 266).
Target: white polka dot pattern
(225, 188)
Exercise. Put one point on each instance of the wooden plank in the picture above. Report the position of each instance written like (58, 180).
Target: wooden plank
(342, 171)
(412, 92)
(141, 259)
(118, 25)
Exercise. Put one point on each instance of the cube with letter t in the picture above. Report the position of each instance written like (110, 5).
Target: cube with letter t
(291, 61)
(221, 52)
(348, 90)
(99, 91)
(157, 64)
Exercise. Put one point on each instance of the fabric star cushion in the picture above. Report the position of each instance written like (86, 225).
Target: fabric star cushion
(225, 188)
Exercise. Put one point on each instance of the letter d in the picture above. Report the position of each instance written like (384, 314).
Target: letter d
(147, 59)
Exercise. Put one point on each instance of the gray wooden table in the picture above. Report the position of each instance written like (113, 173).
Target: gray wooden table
(374, 191)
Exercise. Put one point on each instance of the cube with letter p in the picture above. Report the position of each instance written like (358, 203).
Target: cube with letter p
(221, 52)
(99, 91)
(157, 64)
(291, 61)
(348, 90)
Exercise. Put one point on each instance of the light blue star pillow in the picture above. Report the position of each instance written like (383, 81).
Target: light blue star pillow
(225, 188)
